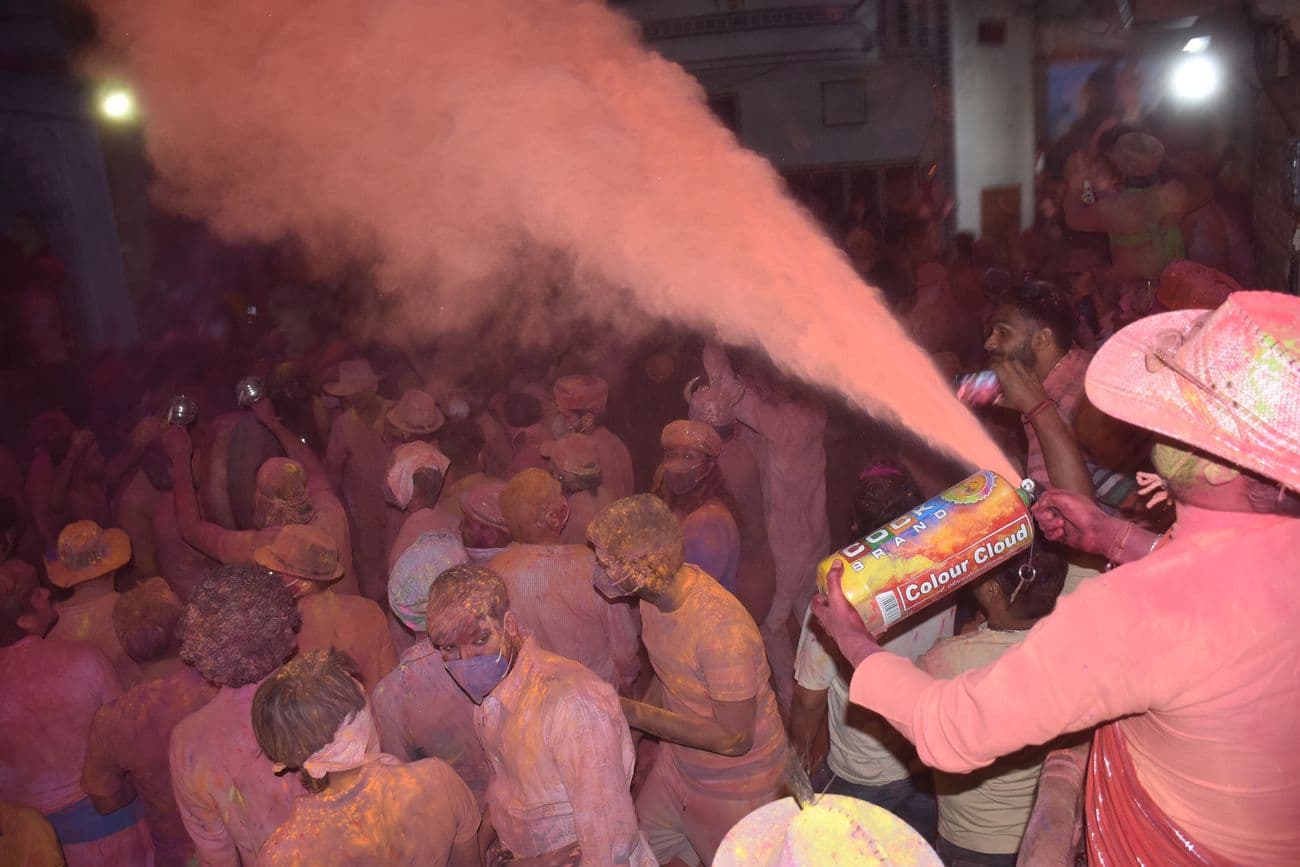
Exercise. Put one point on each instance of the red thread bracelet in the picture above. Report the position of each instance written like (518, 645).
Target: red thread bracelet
(1027, 417)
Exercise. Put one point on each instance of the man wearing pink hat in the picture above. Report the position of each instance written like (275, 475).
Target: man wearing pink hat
(483, 526)
(356, 458)
(1184, 660)
(574, 462)
(307, 562)
(87, 558)
(580, 401)
(690, 482)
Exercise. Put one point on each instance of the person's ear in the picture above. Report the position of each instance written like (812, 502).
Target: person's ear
(556, 515)
(1043, 338)
(510, 625)
(1217, 474)
(988, 593)
(31, 622)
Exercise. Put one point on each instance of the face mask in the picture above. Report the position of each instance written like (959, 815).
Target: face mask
(560, 426)
(478, 675)
(611, 589)
(682, 480)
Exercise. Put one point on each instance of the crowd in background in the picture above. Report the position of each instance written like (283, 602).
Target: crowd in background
(558, 606)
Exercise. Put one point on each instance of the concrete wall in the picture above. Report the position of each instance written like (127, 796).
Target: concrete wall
(776, 73)
(781, 112)
(993, 107)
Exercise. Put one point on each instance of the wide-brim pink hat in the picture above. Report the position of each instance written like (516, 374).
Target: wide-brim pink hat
(86, 551)
(1225, 381)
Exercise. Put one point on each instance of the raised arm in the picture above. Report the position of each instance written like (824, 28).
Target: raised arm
(225, 546)
(294, 448)
(58, 495)
(1023, 392)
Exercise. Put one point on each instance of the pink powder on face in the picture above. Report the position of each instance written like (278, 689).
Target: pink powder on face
(475, 148)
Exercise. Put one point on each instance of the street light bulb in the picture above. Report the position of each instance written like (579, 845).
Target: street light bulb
(117, 105)
(1195, 78)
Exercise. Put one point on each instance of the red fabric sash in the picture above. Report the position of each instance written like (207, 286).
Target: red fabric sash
(1126, 827)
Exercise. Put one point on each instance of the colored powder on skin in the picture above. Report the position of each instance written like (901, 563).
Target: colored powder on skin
(528, 161)
(1176, 466)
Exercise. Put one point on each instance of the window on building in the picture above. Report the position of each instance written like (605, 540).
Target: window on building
(831, 193)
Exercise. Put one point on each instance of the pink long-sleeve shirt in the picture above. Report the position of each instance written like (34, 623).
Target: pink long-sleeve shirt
(1192, 649)
(562, 758)
(226, 789)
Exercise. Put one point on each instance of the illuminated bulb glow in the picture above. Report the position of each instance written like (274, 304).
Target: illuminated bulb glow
(117, 105)
(1194, 79)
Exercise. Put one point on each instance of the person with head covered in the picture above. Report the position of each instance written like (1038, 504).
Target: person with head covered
(581, 401)
(1183, 659)
(418, 707)
(364, 806)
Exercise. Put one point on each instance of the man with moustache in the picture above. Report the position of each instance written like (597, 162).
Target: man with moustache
(1193, 758)
(1031, 349)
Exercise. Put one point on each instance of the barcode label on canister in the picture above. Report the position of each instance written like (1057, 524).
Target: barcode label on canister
(890, 610)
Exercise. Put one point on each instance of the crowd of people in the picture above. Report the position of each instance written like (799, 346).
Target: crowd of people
(562, 609)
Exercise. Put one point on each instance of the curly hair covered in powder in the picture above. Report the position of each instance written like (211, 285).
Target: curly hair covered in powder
(240, 625)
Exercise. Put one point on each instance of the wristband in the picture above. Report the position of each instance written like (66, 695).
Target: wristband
(1027, 417)
(1117, 548)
